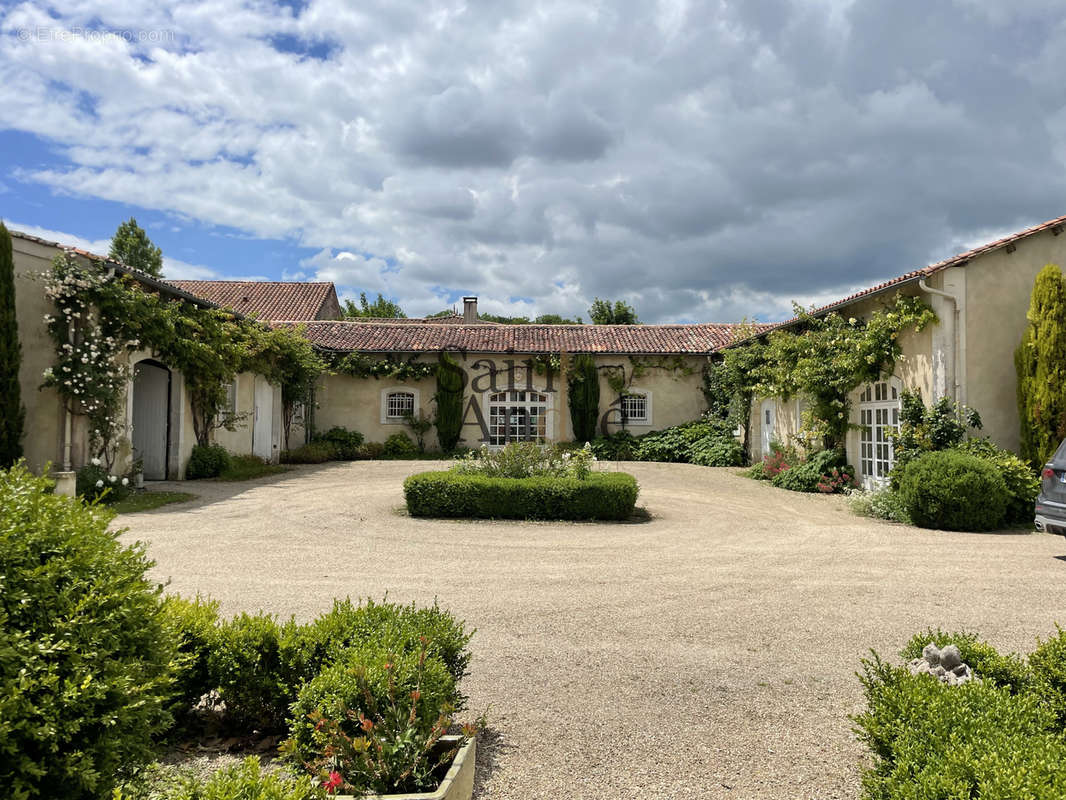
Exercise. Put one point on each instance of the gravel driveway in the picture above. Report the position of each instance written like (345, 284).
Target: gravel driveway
(708, 652)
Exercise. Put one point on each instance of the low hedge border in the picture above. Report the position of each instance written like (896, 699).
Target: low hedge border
(603, 495)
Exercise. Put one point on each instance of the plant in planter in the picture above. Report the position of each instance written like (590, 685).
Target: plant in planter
(386, 734)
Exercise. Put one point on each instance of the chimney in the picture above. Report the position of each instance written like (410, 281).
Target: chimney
(470, 311)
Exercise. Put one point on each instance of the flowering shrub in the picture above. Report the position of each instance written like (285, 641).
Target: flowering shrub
(382, 728)
(96, 483)
(527, 460)
(837, 480)
(86, 373)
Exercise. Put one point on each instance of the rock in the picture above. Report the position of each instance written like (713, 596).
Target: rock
(950, 657)
(931, 654)
(950, 679)
(922, 668)
(961, 670)
(938, 670)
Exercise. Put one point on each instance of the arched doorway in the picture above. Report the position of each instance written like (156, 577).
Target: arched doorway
(517, 416)
(151, 417)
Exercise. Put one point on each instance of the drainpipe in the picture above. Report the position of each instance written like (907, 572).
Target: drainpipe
(952, 371)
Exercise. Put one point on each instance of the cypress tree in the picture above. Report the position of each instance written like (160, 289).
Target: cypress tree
(449, 397)
(12, 414)
(584, 391)
(1040, 361)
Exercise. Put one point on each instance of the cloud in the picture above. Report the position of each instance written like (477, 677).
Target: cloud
(704, 161)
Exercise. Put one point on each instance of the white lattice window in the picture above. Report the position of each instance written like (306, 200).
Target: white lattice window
(231, 397)
(396, 404)
(517, 416)
(636, 407)
(878, 416)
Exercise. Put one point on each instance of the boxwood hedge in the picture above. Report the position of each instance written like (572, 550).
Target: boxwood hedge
(603, 495)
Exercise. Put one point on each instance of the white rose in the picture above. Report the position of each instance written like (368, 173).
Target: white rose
(96, 461)
(99, 484)
(125, 481)
(112, 478)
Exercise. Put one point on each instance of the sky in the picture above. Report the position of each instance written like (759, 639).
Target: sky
(703, 161)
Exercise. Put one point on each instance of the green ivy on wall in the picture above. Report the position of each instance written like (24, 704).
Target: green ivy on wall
(101, 315)
(823, 358)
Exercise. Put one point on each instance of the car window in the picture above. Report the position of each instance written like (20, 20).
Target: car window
(1060, 454)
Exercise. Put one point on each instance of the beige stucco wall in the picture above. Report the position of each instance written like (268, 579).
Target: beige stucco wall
(356, 403)
(43, 439)
(998, 289)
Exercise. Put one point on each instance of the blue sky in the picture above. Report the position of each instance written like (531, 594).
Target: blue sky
(705, 162)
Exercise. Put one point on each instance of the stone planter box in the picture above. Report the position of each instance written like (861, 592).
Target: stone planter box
(458, 783)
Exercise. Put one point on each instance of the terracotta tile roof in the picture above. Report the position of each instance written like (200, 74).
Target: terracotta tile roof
(269, 300)
(916, 275)
(377, 337)
(451, 319)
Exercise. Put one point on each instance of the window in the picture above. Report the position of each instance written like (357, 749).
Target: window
(878, 416)
(230, 406)
(399, 404)
(636, 408)
(517, 416)
(397, 401)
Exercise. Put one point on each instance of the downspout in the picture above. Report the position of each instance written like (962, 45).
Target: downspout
(953, 337)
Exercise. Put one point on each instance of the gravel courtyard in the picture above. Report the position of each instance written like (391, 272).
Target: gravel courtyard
(709, 652)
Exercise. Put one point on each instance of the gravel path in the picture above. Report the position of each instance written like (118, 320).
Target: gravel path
(707, 653)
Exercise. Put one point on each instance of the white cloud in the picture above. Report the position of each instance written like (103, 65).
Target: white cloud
(705, 160)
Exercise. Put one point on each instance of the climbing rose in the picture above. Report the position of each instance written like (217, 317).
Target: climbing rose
(333, 783)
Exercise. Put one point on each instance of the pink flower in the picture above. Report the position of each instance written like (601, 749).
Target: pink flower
(333, 783)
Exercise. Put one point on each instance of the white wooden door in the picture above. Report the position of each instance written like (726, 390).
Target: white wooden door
(151, 392)
(768, 424)
(263, 419)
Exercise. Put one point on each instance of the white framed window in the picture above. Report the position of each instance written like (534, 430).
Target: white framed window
(636, 407)
(396, 403)
(518, 416)
(878, 416)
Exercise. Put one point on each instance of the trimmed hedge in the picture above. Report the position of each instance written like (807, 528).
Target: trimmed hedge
(603, 495)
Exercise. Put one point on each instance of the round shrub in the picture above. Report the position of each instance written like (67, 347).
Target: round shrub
(372, 671)
(84, 652)
(399, 445)
(954, 491)
(1021, 481)
(95, 482)
(345, 442)
(371, 451)
(206, 461)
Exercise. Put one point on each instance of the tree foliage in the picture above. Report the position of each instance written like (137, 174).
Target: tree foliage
(382, 307)
(727, 384)
(449, 397)
(584, 395)
(12, 414)
(1040, 361)
(132, 247)
(603, 312)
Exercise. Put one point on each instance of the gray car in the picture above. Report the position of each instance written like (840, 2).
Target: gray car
(1051, 502)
